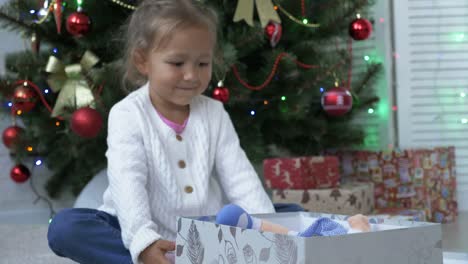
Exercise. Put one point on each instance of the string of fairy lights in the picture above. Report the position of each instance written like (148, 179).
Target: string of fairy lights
(303, 21)
(124, 5)
(49, 6)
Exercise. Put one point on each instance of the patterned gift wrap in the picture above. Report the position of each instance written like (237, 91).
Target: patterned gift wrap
(421, 179)
(301, 172)
(351, 198)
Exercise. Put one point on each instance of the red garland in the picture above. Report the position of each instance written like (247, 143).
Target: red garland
(272, 73)
(303, 8)
(39, 93)
(300, 64)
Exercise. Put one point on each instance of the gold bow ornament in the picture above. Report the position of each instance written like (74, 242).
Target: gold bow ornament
(265, 9)
(70, 82)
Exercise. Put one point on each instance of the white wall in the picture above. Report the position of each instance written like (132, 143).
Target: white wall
(431, 38)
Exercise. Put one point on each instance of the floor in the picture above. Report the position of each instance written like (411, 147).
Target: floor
(455, 235)
(26, 243)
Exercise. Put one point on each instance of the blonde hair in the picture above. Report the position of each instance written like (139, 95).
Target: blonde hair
(152, 24)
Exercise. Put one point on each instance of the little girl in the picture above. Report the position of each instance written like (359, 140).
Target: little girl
(171, 151)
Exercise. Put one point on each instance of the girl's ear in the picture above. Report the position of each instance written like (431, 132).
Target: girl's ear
(140, 62)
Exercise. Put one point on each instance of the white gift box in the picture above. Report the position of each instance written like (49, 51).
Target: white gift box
(390, 241)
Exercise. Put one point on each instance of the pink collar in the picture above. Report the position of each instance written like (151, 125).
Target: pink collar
(178, 128)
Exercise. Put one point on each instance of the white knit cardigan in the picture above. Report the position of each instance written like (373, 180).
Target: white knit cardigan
(148, 185)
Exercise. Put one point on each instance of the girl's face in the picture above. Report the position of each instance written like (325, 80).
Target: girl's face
(181, 68)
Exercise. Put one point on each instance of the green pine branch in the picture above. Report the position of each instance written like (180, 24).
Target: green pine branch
(42, 34)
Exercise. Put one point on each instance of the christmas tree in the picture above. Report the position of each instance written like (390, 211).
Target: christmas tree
(284, 77)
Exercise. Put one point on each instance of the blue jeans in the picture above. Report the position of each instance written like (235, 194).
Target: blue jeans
(87, 236)
(92, 236)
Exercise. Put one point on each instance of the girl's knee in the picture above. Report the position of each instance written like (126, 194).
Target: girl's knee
(60, 229)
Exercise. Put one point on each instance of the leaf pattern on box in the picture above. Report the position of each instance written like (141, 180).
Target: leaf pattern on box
(220, 235)
(195, 251)
(249, 255)
(179, 250)
(264, 254)
(233, 231)
(286, 249)
(230, 253)
(305, 197)
(221, 260)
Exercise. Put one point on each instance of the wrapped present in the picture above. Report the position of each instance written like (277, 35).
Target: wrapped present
(423, 179)
(351, 198)
(285, 173)
(400, 214)
(324, 170)
(301, 172)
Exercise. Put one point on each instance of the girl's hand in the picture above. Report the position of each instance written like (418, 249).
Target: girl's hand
(155, 253)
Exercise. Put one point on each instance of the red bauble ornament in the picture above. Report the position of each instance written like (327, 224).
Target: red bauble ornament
(360, 29)
(337, 101)
(78, 24)
(273, 31)
(12, 135)
(24, 98)
(86, 122)
(20, 173)
(221, 94)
